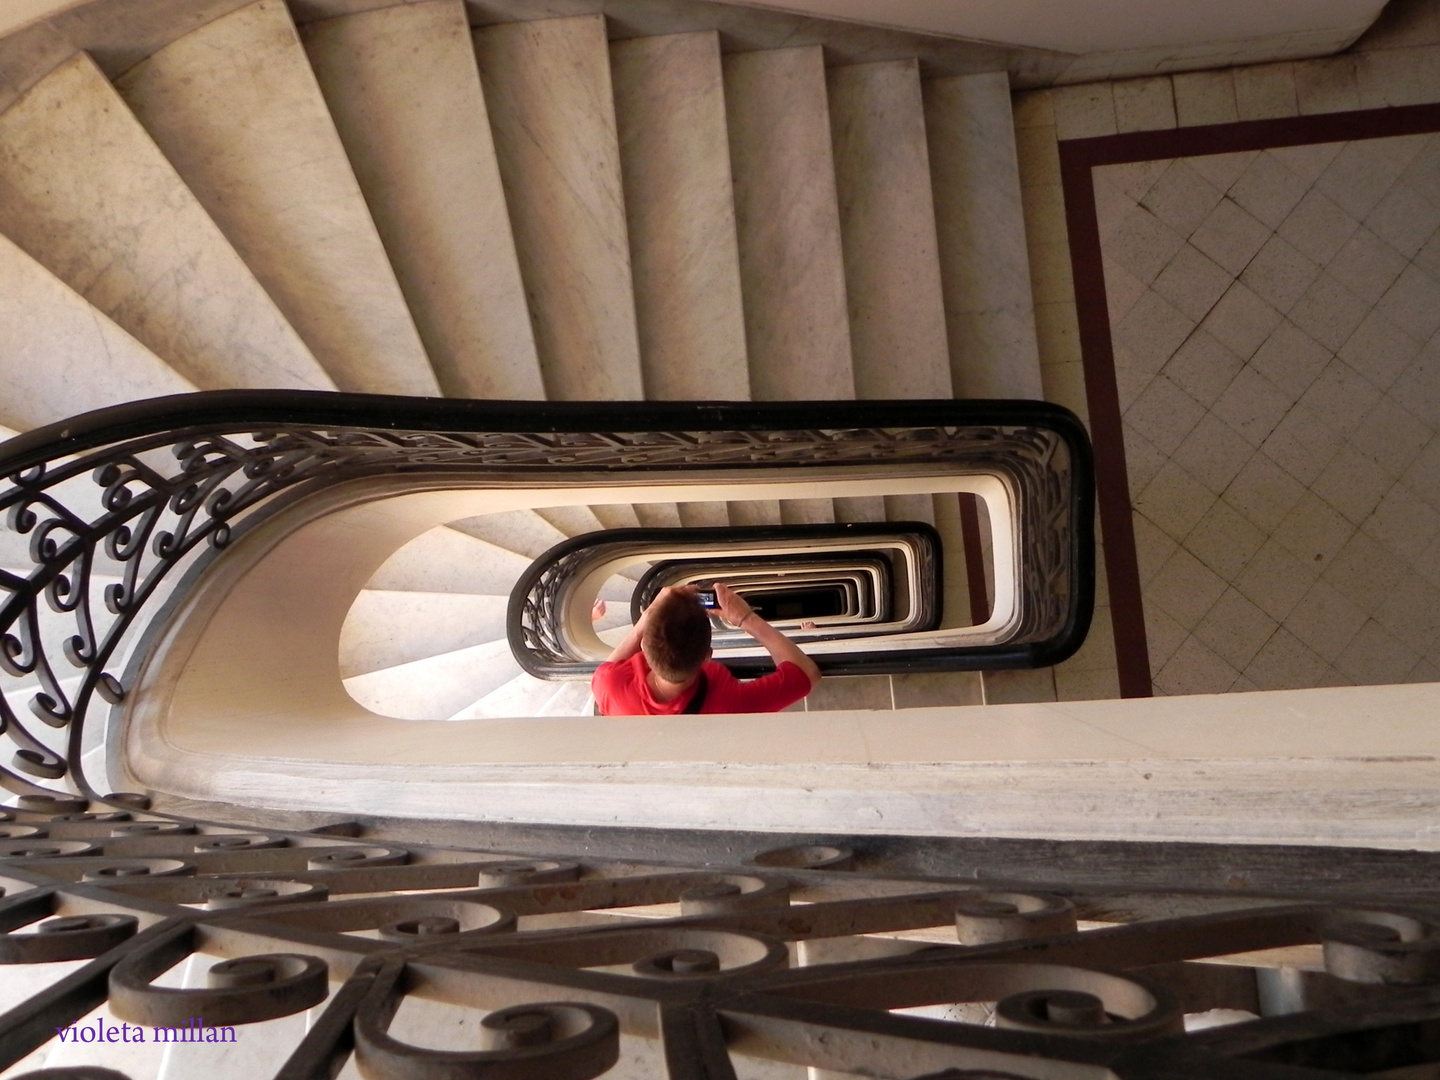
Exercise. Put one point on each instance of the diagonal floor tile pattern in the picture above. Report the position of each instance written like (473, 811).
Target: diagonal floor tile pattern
(1275, 318)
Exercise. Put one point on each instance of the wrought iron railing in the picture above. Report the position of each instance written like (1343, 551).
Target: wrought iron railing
(111, 505)
(296, 955)
(547, 606)
(562, 953)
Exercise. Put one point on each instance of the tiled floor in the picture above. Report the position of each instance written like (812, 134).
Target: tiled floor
(1275, 320)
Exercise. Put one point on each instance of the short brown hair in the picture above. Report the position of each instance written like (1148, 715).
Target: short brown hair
(676, 641)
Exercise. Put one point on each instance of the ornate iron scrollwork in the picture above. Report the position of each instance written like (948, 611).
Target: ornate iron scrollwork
(688, 958)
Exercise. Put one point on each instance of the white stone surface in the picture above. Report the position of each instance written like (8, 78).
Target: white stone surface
(616, 515)
(887, 227)
(572, 699)
(235, 107)
(1351, 766)
(447, 560)
(403, 88)
(522, 531)
(86, 192)
(679, 202)
(50, 340)
(571, 520)
(436, 687)
(791, 265)
(385, 628)
(704, 515)
(552, 109)
(989, 303)
(524, 695)
(658, 515)
(752, 512)
(807, 511)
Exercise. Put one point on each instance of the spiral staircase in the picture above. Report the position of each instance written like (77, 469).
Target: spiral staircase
(396, 201)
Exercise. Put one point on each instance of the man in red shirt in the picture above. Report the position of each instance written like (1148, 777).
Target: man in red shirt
(663, 667)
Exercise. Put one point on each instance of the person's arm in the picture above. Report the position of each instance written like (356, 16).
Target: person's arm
(630, 646)
(781, 649)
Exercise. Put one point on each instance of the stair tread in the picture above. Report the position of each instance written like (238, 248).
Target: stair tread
(89, 195)
(616, 515)
(404, 90)
(788, 225)
(985, 264)
(571, 520)
(807, 511)
(235, 107)
(438, 686)
(680, 206)
(52, 335)
(887, 225)
(754, 512)
(389, 627)
(521, 531)
(703, 515)
(658, 515)
(552, 110)
(524, 695)
(449, 561)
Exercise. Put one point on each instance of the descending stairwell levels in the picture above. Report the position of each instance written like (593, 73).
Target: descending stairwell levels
(398, 202)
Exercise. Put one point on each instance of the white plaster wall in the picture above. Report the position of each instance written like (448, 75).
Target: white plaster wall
(1106, 25)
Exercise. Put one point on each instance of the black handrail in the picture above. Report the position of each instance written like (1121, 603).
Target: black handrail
(92, 492)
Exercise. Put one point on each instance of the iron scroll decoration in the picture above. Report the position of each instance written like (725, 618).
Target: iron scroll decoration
(874, 956)
(111, 503)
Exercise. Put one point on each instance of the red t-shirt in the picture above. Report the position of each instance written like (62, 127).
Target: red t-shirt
(620, 689)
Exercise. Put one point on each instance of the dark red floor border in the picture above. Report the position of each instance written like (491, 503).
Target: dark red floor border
(1077, 158)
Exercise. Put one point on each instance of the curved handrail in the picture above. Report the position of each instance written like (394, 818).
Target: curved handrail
(137, 490)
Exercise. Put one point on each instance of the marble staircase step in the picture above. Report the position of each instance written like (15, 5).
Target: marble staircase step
(658, 515)
(680, 207)
(887, 224)
(86, 192)
(524, 695)
(522, 531)
(807, 511)
(52, 336)
(704, 515)
(449, 561)
(235, 107)
(989, 307)
(403, 87)
(385, 627)
(616, 515)
(787, 218)
(752, 512)
(552, 109)
(572, 699)
(436, 687)
(571, 520)
(860, 508)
